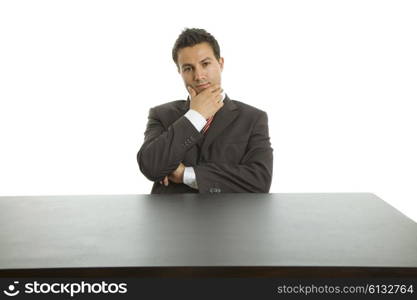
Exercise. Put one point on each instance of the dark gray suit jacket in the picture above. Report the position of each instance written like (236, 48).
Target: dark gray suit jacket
(233, 156)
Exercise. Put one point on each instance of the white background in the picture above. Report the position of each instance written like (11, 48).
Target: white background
(337, 78)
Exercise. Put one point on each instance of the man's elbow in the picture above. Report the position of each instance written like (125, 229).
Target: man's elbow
(263, 186)
(267, 185)
(265, 180)
(147, 169)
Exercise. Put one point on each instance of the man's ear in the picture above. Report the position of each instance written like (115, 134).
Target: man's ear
(221, 62)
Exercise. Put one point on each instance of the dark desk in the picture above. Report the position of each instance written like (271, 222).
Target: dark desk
(225, 235)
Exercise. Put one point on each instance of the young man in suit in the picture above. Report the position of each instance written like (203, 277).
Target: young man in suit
(207, 143)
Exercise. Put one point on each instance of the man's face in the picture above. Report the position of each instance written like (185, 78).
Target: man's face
(199, 67)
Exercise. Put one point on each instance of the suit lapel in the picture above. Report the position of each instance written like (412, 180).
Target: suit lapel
(221, 120)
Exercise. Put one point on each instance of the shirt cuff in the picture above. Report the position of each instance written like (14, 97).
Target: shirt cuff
(196, 119)
(189, 177)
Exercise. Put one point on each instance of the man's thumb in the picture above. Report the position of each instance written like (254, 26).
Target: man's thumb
(191, 91)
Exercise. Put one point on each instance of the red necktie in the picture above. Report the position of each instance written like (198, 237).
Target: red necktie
(207, 124)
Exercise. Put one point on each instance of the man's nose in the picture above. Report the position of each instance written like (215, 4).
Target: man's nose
(199, 74)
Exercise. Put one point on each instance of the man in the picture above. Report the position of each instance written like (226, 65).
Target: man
(207, 143)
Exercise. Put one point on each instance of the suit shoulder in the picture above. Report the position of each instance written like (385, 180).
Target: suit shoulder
(248, 109)
(169, 107)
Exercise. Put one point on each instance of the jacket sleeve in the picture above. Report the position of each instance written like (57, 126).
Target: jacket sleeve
(253, 174)
(164, 148)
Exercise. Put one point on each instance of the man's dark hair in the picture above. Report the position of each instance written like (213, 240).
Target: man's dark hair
(193, 36)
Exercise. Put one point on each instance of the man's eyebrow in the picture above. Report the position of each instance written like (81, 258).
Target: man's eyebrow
(186, 65)
(190, 65)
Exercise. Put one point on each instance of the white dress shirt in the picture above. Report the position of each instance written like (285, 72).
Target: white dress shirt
(198, 122)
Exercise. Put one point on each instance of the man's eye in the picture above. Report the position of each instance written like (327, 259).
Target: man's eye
(206, 63)
(186, 69)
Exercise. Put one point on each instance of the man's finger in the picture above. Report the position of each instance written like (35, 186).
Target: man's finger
(191, 91)
(219, 92)
(216, 88)
(166, 181)
(218, 95)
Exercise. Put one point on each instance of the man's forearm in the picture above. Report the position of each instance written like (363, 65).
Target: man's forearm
(163, 150)
(161, 153)
(253, 177)
(253, 174)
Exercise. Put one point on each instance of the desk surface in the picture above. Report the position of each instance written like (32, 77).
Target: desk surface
(348, 233)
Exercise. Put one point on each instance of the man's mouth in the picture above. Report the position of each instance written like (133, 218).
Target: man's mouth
(203, 86)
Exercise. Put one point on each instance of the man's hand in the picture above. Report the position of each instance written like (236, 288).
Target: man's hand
(207, 102)
(165, 181)
(176, 176)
